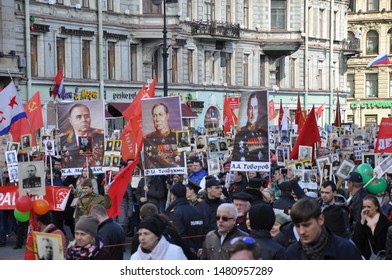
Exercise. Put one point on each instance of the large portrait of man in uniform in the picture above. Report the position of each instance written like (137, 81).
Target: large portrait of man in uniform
(251, 140)
(161, 120)
(76, 122)
(31, 178)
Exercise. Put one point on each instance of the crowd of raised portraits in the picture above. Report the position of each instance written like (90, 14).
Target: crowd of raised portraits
(248, 215)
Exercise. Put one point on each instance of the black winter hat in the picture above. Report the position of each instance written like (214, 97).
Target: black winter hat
(154, 224)
(242, 196)
(179, 190)
(262, 217)
(256, 183)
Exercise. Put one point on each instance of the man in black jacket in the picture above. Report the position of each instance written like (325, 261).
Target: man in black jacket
(111, 232)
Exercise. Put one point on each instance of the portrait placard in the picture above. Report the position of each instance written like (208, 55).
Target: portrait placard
(85, 145)
(321, 161)
(48, 246)
(13, 146)
(31, 178)
(11, 157)
(213, 166)
(49, 148)
(345, 168)
(305, 152)
(370, 159)
(183, 141)
(26, 142)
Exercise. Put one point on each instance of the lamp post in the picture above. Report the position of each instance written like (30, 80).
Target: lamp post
(165, 53)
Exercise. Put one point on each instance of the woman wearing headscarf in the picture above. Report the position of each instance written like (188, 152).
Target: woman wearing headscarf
(87, 245)
(153, 245)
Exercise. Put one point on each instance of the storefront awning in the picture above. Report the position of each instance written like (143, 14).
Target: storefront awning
(116, 108)
(187, 112)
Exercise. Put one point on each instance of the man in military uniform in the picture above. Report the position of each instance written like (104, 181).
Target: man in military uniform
(160, 146)
(31, 181)
(80, 120)
(251, 141)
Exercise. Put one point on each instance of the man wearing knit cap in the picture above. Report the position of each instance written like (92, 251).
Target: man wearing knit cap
(242, 202)
(262, 218)
(188, 221)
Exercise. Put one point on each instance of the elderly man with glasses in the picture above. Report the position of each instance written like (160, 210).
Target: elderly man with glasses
(217, 243)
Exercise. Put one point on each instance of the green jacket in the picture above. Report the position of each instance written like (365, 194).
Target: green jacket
(85, 203)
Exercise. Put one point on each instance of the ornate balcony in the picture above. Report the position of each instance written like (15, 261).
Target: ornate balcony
(215, 28)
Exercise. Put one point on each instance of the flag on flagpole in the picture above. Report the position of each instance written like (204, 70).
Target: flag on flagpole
(229, 118)
(299, 111)
(11, 108)
(34, 112)
(284, 125)
(381, 59)
(59, 87)
(320, 110)
(271, 110)
(118, 188)
(280, 113)
(308, 136)
(384, 136)
(338, 117)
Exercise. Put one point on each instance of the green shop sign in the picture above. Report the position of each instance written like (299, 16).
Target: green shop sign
(371, 104)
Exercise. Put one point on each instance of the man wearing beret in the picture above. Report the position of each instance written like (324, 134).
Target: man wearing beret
(188, 221)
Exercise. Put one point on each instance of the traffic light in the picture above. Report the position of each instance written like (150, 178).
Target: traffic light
(32, 19)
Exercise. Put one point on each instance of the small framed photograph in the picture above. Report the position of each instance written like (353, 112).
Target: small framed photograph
(11, 157)
(383, 167)
(115, 160)
(347, 143)
(109, 145)
(201, 143)
(370, 159)
(299, 165)
(31, 178)
(294, 138)
(106, 159)
(321, 161)
(117, 145)
(85, 144)
(26, 142)
(305, 152)
(213, 166)
(49, 148)
(309, 179)
(345, 168)
(48, 246)
(13, 146)
(116, 134)
(322, 151)
(280, 156)
(213, 145)
(284, 137)
(4, 140)
(13, 173)
(223, 145)
(307, 164)
(335, 159)
(183, 140)
(326, 173)
(42, 141)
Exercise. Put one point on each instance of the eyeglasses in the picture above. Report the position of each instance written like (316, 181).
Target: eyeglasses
(225, 219)
(5, 172)
(246, 239)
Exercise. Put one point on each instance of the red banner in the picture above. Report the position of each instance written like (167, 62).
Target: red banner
(384, 138)
(56, 197)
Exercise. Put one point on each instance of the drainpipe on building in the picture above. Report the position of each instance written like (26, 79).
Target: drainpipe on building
(28, 49)
(331, 35)
(100, 50)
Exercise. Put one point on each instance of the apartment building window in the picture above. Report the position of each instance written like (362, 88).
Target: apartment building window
(85, 4)
(150, 8)
(294, 71)
(86, 59)
(228, 12)
(60, 49)
(109, 5)
(371, 85)
(278, 14)
(61, 2)
(246, 70)
(352, 5)
(189, 9)
(133, 62)
(228, 68)
(372, 42)
(321, 23)
(373, 5)
(390, 39)
(350, 85)
(262, 70)
(174, 66)
(209, 10)
(190, 66)
(246, 14)
(111, 60)
(34, 56)
(319, 74)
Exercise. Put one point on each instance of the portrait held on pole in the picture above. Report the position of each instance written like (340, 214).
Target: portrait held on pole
(48, 246)
(32, 178)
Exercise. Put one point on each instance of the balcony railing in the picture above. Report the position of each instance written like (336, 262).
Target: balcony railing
(215, 28)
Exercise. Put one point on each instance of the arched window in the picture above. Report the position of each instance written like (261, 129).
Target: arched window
(372, 42)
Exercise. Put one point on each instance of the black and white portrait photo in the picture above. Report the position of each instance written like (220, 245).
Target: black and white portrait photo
(48, 246)
(11, 157)
(85, 144)
(13, 146)
(32, 178)
(49, 148)
(26, 141)
(117, 145)
(13, 173)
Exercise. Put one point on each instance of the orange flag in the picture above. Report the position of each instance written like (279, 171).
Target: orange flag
(229, 118)
(271, 110)
(308, 136)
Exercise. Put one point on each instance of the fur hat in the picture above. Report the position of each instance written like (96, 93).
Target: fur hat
(154, 224)
(262, 217)
(179, 190)
(88, 224)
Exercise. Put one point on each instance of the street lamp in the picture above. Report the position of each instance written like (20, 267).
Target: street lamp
(165, 53)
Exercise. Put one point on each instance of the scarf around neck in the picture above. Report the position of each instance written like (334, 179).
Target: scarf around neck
(316, 250)
(158, 253)
(90, 251)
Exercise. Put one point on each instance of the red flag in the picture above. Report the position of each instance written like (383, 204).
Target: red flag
(338, 118)
(320, 110)
(271, 110)
(136, 104)
(383, 142)
(301, 122)
(132, 141)
(59, 87)
(118, 188)
(229, 118)
(298, 113)
(34, 112)
(281, 111)
(30, 252)
(308, 136)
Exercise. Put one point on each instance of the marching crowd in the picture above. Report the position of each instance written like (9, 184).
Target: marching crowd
(234, 215)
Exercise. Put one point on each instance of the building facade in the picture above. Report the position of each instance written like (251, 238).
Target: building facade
(369, 88)
(109, 49)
